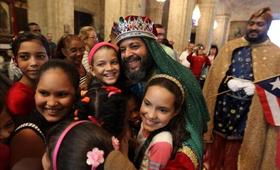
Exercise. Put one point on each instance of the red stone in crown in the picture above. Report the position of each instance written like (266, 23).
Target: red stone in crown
(134, 26)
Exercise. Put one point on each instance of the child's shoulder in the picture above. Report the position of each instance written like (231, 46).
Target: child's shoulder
(164, 136)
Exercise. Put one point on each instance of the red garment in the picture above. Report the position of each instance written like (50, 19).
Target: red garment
(4, 156)
(221, 154)
(20, 99)
(180, 162)
(198, 62)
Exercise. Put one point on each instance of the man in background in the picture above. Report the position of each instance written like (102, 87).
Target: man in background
(160, 33)
(34, 28)
(183, 57)
(239, 135)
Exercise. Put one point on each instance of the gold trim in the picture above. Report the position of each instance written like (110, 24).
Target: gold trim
(174, 80)
(188, 151)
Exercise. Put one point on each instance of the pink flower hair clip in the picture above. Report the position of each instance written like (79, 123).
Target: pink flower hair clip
(115, 143)
(95, 158)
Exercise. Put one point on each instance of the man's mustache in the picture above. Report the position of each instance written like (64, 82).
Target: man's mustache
(131, 59)
(253, 31)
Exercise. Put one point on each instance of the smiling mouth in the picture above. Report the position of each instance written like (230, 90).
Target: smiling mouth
(150, 122)
(52, 111)
(33, 71)
(133, 63)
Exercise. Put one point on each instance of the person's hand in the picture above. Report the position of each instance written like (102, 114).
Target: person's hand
(237, 84)
(249, 88)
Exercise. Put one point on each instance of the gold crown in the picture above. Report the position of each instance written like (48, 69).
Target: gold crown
(134, 26)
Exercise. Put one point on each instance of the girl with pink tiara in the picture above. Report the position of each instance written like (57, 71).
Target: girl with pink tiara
(103, 101)
(30, 52)
(56, 92)
(163, 125)
(82, 145)
(104, 65)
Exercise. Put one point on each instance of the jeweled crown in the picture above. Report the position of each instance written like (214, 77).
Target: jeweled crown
(134, 26)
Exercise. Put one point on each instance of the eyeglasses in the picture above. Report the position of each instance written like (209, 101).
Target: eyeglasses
(94, 38)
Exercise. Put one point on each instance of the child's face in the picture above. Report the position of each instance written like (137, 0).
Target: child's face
(106, 67)
(31, 55)
(133, 111)
(74, 52)
(54, 95)
(7, 126)
(157, 108)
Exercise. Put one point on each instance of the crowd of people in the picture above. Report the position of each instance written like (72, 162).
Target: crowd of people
(134, 103)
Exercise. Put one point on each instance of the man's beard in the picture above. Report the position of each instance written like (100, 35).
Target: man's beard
(140, 74)
(261, 37)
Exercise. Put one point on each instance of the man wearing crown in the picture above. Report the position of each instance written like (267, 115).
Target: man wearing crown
(142, 56)
(239, 137)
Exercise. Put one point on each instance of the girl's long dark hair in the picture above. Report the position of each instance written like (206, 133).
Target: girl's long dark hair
(176, 126)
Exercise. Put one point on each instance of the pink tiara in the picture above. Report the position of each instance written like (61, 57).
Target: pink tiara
(134, 26)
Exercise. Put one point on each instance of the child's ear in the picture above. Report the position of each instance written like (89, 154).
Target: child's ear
(64, 51)
(91, 70)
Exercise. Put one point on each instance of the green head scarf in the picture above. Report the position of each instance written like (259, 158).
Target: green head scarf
(195, 112)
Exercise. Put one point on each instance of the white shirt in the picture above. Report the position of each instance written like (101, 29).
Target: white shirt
(183, 59)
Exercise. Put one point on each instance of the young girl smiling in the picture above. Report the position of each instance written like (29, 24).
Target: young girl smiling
(163, 125)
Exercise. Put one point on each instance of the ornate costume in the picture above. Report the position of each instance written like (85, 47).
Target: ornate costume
(161, 144)
(195, 111)
(257, 138)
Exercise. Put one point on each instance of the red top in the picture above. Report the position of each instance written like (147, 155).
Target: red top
(4, 156)
(20, 99)
(197, 64)
(180, 162)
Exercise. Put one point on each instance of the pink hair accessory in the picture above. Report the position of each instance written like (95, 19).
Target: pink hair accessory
(115, 143)
(59, 141)
(112, 90)
(95, 157)
(94, 120)
(96, 47)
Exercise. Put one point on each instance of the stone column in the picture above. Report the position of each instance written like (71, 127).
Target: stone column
(56, 17)
(155, 11)
(37, 13)
(204, 29)
(116, 8)
(60, 17)
(180, 22)
(221, 32)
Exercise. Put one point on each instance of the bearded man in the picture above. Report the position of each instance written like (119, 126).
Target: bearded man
(238, 135)
(142, 56)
